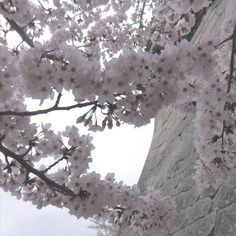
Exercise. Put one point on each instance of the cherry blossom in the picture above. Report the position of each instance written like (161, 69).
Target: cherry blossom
(122, 61)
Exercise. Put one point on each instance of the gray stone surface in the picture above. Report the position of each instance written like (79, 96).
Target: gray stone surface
(169, 167)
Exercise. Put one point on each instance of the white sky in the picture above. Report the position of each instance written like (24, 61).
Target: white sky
(121, 150)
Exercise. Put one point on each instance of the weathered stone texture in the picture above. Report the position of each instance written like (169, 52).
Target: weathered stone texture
(170, 165)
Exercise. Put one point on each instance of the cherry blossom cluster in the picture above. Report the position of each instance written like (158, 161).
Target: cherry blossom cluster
(104, 228)
(173, 20)
(215, 117)
(122, 61)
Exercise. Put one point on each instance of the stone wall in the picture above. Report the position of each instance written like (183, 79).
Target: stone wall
(170, 166)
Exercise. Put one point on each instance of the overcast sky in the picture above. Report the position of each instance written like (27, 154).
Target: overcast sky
(120, 150)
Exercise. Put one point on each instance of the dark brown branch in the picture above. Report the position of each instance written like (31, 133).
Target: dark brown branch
(224, 41)
(222, 134)
(27, 151)
(20, 31)
(58, 100)
(45, 111)
(141, 15)
(44, 8)
(17, 28)
(232, 60)
(29, 169)
(40, 174)
(54, 164)
(215, 138)
(9, 165)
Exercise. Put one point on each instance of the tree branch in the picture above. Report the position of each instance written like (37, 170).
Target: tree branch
(54, 164)
(55, 107)
(141, 15)
(232, 60)
(29, 169)
(18, 29)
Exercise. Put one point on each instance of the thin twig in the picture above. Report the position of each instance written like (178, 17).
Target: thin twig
(222, 134)
(54, 164)
(232, 60)
(224, 41)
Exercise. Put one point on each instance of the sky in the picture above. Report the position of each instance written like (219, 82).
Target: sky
(121, 150)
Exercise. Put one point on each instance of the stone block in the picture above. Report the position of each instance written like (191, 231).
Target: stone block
(201, 227)
(226, 221)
